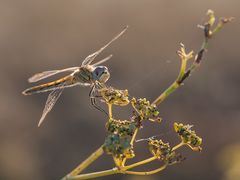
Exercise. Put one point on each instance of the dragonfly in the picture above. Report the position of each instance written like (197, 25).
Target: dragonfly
(88, 74)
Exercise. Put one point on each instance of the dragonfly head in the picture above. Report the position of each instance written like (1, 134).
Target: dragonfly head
(101, 74)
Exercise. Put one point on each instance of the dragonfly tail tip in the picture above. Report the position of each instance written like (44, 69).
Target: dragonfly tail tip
(24, 93)
(39, 124)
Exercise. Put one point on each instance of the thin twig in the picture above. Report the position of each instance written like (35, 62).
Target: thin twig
(85, 163)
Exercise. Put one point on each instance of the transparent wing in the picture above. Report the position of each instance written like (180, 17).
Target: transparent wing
(51, 100)
(45, 74)
(103, 60)
(89, 59)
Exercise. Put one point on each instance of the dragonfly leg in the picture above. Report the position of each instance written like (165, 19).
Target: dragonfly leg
(92, 95)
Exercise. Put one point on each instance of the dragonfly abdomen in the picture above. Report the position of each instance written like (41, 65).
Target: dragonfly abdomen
(60, 83)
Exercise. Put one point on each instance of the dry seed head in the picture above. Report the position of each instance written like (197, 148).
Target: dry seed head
(163, 151)
(182, 53)
(188, 136)
(121, 127)
(115, 96)
(118, 146)
(145, 110)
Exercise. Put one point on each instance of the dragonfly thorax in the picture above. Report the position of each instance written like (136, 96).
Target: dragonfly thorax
(101, 74)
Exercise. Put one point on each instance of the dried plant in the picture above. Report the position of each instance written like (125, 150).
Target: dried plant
(121, 134)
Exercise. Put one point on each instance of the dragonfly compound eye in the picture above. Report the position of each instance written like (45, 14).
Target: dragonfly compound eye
(101, 74)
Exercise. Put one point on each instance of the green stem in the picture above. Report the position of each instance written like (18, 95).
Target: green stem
(85, 163)
(173, 86)
(166, 93)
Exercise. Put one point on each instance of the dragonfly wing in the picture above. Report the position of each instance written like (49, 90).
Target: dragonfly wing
(45, 74)
(103, 60)
(89, 59)
(51, 100)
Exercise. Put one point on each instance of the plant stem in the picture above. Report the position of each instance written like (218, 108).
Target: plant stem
(111, 172)
(150, 159)
(94, 175)
(147, 172)
(166, 93)
(110, 111)
(85, 163)
(173, 86)
(139, 163)
(132, 141)
(178, 146)
(134, 136)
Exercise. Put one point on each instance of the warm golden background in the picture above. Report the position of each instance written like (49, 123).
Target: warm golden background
(38, 35)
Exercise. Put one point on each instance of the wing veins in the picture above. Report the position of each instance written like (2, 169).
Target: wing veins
(103, 60)
(89, 59)
(51, 101)
(46, 74)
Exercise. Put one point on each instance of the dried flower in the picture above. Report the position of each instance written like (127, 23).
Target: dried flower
(114, 96)
(188, 136)
(145, 110)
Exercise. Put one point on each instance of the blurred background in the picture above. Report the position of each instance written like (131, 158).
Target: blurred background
(39, 35)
